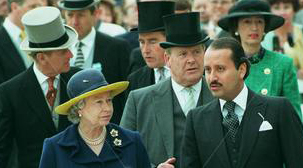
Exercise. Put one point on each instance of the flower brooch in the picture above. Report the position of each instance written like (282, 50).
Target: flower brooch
(114, 133)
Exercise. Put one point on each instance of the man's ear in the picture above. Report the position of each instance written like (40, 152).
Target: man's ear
(167, 59)
(242, 69)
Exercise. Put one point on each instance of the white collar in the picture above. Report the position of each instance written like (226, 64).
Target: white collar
(89, 38)
(178, 88)
(41, 77)
(240, 100)
(13, 30)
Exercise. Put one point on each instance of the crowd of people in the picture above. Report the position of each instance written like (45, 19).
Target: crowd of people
(151, 83)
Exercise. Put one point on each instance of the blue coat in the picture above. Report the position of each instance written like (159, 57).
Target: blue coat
(68, 150)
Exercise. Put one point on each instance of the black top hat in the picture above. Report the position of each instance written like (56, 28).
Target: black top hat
(245, 8)
(183, 30)
(150, 15)
(77, 4)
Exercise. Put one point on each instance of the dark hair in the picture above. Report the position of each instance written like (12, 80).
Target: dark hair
(238, 55)
(9, 2)
(183, 5)
(295, 3)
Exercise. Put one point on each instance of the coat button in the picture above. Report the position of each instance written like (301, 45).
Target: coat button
(267, 71)
(264, 91)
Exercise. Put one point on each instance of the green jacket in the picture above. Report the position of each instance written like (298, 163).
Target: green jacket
(275, 75)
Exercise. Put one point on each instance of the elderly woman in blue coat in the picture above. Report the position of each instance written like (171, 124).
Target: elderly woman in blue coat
(93, 142)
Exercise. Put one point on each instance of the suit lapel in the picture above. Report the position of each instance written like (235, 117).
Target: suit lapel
(164, 114)
(33, 94)
(9, 48)
(147, 77)
(251, 122)
(216, 135)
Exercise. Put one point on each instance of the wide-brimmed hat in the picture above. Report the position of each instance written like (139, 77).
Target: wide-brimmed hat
(150, 15)
(182, 30)
(86, 83)
(77, 4)
(45, 30)
(245, 8)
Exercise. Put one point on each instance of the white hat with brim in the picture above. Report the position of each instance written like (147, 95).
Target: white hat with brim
(45, 31)
(87, 83)
(76, 4)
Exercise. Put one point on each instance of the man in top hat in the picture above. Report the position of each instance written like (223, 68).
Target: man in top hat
(97, 50)
(240, 128)
(13, 60)
(151, 33)
(27, 100)
(159, 111)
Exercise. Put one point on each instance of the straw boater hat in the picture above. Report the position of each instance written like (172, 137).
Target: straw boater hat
(150, 15)
(245, 8)
(87, 83)
(77, 4)
(45, 30)
(183, 30)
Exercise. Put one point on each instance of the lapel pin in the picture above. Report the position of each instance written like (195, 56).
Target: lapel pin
(265, 125)
(117, 142)
(114, 133)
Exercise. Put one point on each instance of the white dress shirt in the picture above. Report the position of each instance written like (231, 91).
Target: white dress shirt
(14, 32)
(183, 95)
(87, 48)
(157, 74)
(240, 101)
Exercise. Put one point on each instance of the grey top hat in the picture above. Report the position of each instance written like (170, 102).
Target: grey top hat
(77, 4)
(45, 30)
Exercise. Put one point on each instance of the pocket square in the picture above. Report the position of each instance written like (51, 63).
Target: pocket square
(265, 126)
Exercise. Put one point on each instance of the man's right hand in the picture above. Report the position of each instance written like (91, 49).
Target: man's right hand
(168, 163)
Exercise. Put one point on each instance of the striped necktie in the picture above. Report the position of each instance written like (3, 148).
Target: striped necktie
(190, 103)
(79, 62)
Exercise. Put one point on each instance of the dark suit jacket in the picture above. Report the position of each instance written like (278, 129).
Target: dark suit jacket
(204, 144)
(25, 117)
(68, 150)
(140, 78)
(11, 63)
(149, 110)
(136, 60)
(113, 54)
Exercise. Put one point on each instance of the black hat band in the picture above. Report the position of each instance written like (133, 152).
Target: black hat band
(56, 43)
(77, 4)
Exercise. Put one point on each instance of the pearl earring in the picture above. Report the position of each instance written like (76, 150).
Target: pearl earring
(80, 115)
(236, 33)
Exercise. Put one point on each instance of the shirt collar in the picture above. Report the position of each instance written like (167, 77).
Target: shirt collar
(89, 39)
(12, 29)
(178, 88)
(40, 76)
(240, 100)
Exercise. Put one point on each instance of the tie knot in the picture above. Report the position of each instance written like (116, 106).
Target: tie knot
(189, 90)
(50, 81)
(80, 44)
(230, 106)
(22, 35)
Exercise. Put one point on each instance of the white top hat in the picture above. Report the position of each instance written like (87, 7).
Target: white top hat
(45, 30)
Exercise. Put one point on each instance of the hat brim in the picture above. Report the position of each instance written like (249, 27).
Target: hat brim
(115, 88)
(275, 21)
(61, 5)
(72, 38)
(166, 45)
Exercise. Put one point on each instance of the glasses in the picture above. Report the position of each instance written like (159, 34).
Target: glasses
(217, 2)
